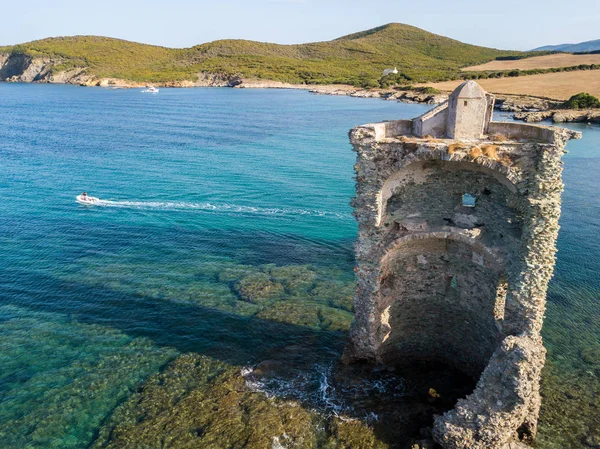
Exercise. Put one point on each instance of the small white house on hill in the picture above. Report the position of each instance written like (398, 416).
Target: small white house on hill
(387, 72)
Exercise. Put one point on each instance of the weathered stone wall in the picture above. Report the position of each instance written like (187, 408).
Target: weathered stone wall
(432, 123)
(466, 286)
(397, 128)
(519, 131)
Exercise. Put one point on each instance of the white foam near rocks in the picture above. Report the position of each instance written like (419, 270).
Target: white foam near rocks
(315, 388)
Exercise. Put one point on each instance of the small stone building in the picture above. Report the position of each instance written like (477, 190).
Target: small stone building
(458, 220)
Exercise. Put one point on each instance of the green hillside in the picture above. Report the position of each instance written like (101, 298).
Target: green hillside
(355, 59)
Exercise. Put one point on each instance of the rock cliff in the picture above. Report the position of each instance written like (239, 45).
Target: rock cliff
(25, 69)
(19, 68)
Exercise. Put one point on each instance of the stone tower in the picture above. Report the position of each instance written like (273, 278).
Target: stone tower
(458, 219)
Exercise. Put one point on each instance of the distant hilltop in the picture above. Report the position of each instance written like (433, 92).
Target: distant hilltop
(357, 59)
(572, 48)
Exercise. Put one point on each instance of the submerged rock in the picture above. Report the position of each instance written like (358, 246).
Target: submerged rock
(197, 402)
(294, 277)
(258, 288)
(60, 378)
(308, 314)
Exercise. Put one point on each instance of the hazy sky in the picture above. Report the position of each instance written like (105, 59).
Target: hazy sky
(508, 24)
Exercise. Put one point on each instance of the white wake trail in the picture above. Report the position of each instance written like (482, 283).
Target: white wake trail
(225, 208)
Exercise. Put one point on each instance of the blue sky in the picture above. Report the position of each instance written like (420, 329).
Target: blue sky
(509, 24)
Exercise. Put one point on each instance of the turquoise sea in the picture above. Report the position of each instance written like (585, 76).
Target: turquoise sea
(224, 230)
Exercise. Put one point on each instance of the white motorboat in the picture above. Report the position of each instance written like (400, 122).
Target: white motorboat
(150, 90)
(86, 199)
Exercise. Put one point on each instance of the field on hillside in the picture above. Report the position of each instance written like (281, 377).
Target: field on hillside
(537, 62)
(559, 86)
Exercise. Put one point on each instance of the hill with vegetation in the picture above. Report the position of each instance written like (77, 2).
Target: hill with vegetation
(356, 59)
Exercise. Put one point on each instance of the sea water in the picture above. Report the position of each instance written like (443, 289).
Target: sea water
(224, 229)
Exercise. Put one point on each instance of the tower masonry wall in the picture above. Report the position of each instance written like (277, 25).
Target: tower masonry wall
(441, 279)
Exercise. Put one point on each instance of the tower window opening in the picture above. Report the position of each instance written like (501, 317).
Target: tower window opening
(466, 102)
(468, 200)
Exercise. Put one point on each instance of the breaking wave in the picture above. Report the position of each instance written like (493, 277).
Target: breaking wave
(316, 389)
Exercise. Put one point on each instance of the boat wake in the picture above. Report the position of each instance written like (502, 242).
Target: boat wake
(224, 208)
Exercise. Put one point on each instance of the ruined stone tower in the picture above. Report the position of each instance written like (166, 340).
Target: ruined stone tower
(458, 219)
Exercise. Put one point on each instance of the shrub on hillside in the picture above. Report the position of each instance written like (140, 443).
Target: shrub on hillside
(18, 50)
(582, 100)
(394, 79)
(429, 90)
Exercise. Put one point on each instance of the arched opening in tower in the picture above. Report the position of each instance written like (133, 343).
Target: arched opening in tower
(439, 304)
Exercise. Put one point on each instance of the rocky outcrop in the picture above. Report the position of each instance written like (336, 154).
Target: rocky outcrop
(216, 80)
(405, 96)
(561, 116)
(518, 103)
(197, 402)
(20, 68)
(72, 76)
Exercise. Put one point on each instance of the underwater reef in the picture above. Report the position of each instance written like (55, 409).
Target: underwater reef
(197, 402)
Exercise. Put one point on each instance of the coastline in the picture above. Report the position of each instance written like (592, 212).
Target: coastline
(42, 70)
(504, 102)
(526, 108)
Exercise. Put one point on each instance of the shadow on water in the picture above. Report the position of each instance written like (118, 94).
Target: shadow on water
(221, 335)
